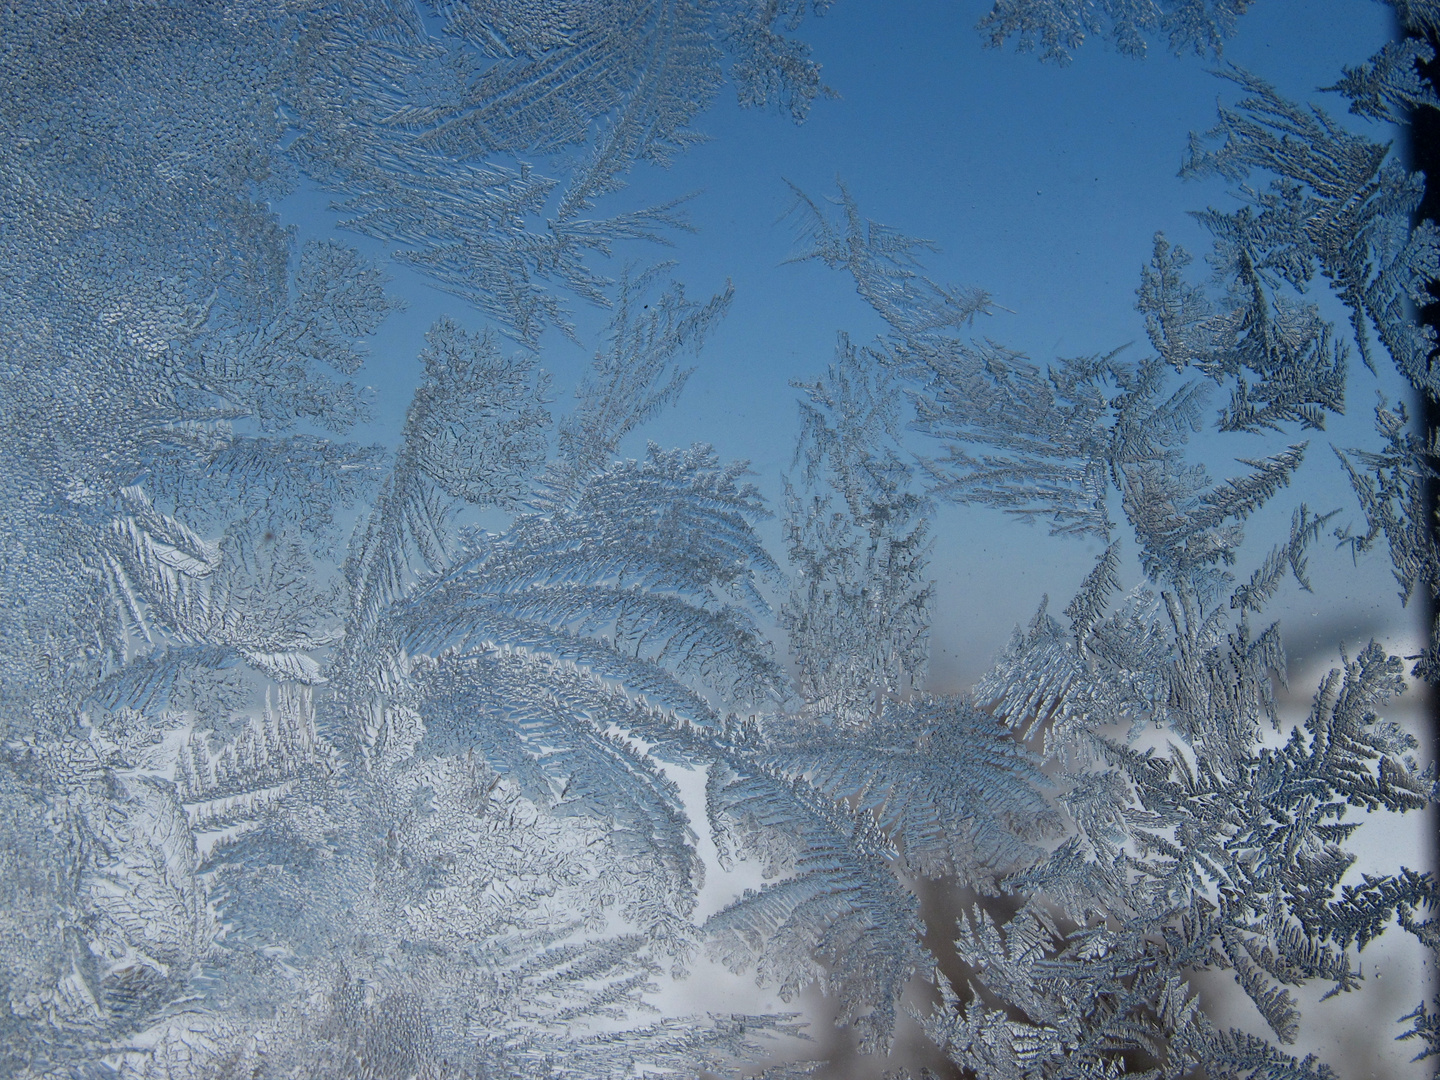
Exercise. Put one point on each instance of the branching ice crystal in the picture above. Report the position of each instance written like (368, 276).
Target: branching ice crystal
(1057, 27)
(275, 802)
(1163, 866)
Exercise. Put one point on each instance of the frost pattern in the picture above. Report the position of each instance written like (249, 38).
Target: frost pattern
(1221, 851)
(1057, 27)
(305, 773)
(434, 140)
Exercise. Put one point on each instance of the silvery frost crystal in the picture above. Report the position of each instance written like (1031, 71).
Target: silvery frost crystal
(331, 760)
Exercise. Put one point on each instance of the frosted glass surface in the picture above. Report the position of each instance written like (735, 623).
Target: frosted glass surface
(601, 539)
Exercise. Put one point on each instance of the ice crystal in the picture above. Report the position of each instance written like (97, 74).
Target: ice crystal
(433, 141)
(1339, 204)
(858, 616)
(1160, 846)
(276, 802)
(1058, 27)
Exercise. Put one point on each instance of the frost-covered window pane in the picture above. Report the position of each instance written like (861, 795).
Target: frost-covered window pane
(437, 643)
